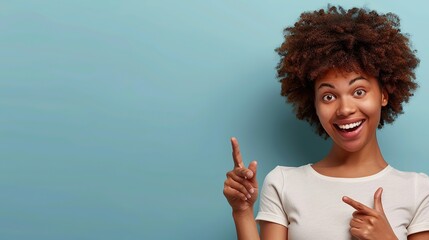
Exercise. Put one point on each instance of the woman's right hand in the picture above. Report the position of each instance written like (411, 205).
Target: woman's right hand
(241, 186)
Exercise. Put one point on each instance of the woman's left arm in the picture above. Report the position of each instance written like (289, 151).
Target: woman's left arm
(419, 236)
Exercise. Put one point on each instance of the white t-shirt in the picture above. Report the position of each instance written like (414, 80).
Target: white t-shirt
(310, 204)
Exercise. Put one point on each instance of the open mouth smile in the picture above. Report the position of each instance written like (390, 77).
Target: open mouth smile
(350, 127)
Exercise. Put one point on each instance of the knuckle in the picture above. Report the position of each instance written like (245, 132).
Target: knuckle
(226, 192)
(227, 183)
(232, 175)
(365, 234)
(354, 232)
(240, 195)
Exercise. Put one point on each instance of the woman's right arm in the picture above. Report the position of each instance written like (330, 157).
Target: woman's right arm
(241, 191)
(246, 228)
(272, 231)
(245, 225)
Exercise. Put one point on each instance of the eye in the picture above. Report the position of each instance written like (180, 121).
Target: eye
(359, 93)
(328, 97)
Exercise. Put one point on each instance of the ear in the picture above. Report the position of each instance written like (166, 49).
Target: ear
(384, 97)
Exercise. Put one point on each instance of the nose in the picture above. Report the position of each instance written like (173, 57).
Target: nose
(345, 108)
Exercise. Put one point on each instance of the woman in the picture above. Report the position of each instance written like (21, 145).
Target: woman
(347, 73)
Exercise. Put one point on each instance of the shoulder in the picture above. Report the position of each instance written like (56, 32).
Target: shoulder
(417, 193)
(282, 173)
(416, 177)
(285, 170)
(413, 182)
(276, 181)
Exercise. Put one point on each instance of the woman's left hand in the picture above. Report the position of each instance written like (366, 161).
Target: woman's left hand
(370, 223)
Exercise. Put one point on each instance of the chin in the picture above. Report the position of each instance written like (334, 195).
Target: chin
(350, 146)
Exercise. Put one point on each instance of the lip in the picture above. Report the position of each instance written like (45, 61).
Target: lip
(349, 135)
(348, 121)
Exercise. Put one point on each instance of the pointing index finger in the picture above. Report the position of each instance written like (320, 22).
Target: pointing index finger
(236, 155)
(357, 205)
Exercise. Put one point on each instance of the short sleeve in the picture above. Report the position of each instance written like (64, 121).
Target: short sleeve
(420, 221)
(270, 203)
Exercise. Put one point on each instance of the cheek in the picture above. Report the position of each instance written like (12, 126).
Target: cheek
(371, 108)
(324, 113)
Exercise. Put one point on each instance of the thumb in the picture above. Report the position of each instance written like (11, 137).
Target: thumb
(253, 167)
(378, 205)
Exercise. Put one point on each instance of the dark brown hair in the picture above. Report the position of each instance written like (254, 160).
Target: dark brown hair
(351, 40)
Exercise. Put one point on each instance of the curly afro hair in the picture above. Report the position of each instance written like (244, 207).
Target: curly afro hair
(351, 40)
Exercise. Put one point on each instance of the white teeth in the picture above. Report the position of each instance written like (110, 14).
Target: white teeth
(350, 125)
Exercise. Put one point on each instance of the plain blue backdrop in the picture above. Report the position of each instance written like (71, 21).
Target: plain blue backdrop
(115, 116)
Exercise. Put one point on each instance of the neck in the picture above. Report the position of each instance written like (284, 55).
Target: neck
(363, 162)
(366, 157)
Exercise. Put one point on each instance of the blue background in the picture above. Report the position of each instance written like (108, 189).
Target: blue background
(115, 116)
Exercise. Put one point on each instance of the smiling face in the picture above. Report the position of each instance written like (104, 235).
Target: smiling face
(348, 105)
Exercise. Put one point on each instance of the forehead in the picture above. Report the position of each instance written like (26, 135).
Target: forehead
(338, 75)
(344, 79)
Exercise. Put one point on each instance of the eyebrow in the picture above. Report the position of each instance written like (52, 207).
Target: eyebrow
(350, 83)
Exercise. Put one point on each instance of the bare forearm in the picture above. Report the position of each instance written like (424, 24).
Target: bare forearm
(245, 225)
